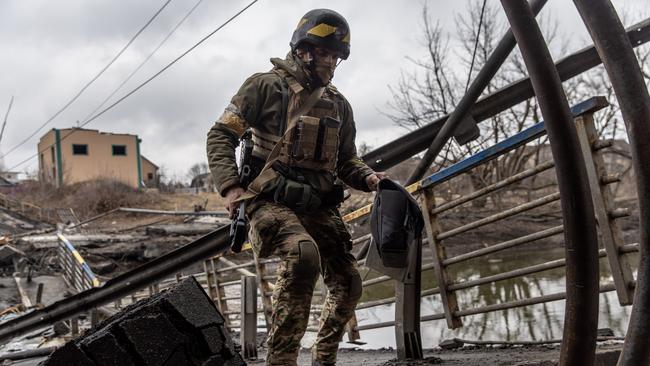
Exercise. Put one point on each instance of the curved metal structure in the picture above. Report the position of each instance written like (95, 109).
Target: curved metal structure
(418, 140)
(581, 316)
(623, 69)
(492, 65)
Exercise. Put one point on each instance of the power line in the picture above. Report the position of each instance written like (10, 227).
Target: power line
(144, 83)
(144, 62)
(478, 34)
(90, 82)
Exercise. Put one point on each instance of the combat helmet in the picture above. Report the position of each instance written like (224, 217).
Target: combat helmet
(324, 28)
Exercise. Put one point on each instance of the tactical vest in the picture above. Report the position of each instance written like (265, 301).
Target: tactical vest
(310, 141)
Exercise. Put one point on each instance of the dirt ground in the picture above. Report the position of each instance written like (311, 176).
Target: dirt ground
(607, 354)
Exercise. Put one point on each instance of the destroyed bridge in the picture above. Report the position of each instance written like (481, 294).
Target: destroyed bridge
(589, 224)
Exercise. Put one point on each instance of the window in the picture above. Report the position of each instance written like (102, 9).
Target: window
(79, 149)
(150, 176)
(119, 150)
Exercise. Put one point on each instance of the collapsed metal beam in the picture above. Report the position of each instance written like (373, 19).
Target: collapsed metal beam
(581, 242)
(459, 115)
(400, 149)
(166, 265)
(625, 74)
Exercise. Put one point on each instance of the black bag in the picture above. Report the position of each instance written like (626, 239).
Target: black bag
(395, 222)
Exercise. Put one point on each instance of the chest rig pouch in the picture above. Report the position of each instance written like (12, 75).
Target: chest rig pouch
(310, 142)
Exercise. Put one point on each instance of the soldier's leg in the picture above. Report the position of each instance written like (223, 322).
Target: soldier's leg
(343, 282)
(276, 230)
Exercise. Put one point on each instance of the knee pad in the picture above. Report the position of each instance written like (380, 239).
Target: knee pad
(356, 287)
(307, 266)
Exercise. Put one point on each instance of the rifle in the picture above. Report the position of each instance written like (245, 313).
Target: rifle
(239, 223)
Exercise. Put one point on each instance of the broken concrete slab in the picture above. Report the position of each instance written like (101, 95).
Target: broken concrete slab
(180, 326)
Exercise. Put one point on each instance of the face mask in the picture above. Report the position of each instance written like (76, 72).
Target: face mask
(321, 70)
(324, 71)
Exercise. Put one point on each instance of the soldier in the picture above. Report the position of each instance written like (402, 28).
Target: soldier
(303, 133)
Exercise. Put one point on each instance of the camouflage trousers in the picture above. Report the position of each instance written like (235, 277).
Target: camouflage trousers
(308, 245)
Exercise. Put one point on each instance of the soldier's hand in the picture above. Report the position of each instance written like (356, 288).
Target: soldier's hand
(231, 195)
(373, 179)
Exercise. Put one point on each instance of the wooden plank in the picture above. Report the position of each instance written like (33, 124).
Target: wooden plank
(24, 298)
(209, 277)
(449, 301)
(610, 233)
(221, 302)
(248, 328)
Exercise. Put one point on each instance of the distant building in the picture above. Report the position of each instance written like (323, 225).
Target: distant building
(66, 157)
(10, 177)
(5, 182)
(203, 182)
(150, 174)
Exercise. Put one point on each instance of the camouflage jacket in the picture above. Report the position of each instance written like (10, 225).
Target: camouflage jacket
(258, 104)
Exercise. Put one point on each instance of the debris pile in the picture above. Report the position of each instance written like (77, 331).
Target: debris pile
(177, 327)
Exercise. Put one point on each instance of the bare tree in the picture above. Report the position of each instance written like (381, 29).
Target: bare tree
(198, 169)
(436, 83)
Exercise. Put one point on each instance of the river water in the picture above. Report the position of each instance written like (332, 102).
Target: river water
(535, 322)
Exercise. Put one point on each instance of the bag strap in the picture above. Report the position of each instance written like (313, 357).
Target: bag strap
(268, 174)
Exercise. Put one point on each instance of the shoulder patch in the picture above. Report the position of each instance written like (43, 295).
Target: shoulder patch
(233, 121)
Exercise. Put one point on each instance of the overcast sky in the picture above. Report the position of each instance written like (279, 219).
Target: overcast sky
(51, 49)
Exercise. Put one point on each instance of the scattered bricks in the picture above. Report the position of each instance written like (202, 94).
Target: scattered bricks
(154, 338)
(214, 337)
(451, 344)
(69, 354)
(105, 350)
(194, 306)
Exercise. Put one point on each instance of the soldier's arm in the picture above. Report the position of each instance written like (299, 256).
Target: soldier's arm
(224, 135)
(350, 168)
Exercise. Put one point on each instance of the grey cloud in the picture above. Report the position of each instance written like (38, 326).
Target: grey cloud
(52, 48)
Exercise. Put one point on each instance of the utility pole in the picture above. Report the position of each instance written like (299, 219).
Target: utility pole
(4, 123)
(2, 131)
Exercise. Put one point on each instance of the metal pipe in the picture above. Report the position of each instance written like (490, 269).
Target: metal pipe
(497, 307)
(494, 187)
(174, 213)
(455, 286)
(504, 245)
(462, 111)
(526, 302)
(581, 314)
(389, 300)
(631, 91)
(211, 244)
(500, 216)
(240, 268)
(400, 149)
